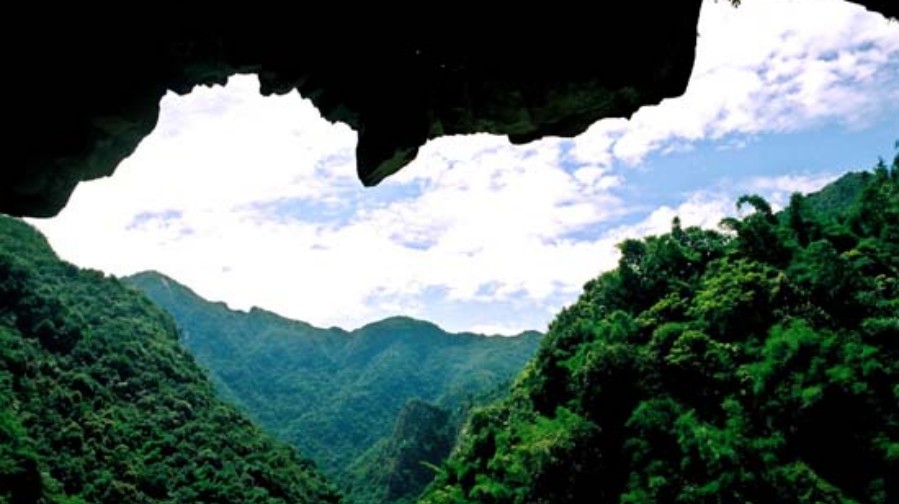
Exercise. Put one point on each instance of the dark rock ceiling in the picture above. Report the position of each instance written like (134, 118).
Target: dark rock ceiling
(85, 90)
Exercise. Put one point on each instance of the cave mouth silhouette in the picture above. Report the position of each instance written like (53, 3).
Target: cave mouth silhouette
(396, 92)
(87, 86)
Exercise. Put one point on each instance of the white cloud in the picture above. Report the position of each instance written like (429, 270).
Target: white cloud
(492, 226)
(498, 329)
(255, 201)
(769, 66)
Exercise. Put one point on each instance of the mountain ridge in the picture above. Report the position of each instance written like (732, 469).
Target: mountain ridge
(335, 393)
(155, 275)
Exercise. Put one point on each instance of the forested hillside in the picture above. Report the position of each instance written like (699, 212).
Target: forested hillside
(756, 364)
(100, 404)
(336, 394)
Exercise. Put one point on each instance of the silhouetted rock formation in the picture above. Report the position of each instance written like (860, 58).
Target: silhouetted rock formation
(84, 92)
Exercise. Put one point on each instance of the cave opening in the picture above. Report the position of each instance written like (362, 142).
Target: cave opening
(256, 201)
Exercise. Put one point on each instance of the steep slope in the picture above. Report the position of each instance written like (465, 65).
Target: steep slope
(99, 403)
(756, 365)
(331, 392)
(397, 468)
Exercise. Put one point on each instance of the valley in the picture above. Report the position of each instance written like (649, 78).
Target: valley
(336, 395)
(753, 363)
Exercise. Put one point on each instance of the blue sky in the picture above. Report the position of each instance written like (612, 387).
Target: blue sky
(254, 201)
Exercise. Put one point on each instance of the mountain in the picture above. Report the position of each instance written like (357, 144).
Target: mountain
(335, 393)
(839, 196)
(99, 403)
(756, 364)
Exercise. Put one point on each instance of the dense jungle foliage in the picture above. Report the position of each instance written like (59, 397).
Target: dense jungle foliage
(755, 364)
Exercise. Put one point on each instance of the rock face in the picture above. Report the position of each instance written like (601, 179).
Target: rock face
(83, 92)
(399, 467)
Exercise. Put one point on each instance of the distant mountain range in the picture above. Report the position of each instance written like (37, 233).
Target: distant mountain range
(336, 394)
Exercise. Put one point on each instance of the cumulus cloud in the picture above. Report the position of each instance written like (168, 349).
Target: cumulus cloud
(769, 66)
(255, 202)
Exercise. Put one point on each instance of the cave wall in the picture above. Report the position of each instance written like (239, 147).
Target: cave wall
(84, 87)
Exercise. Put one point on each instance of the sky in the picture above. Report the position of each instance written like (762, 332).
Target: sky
(254, 200)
